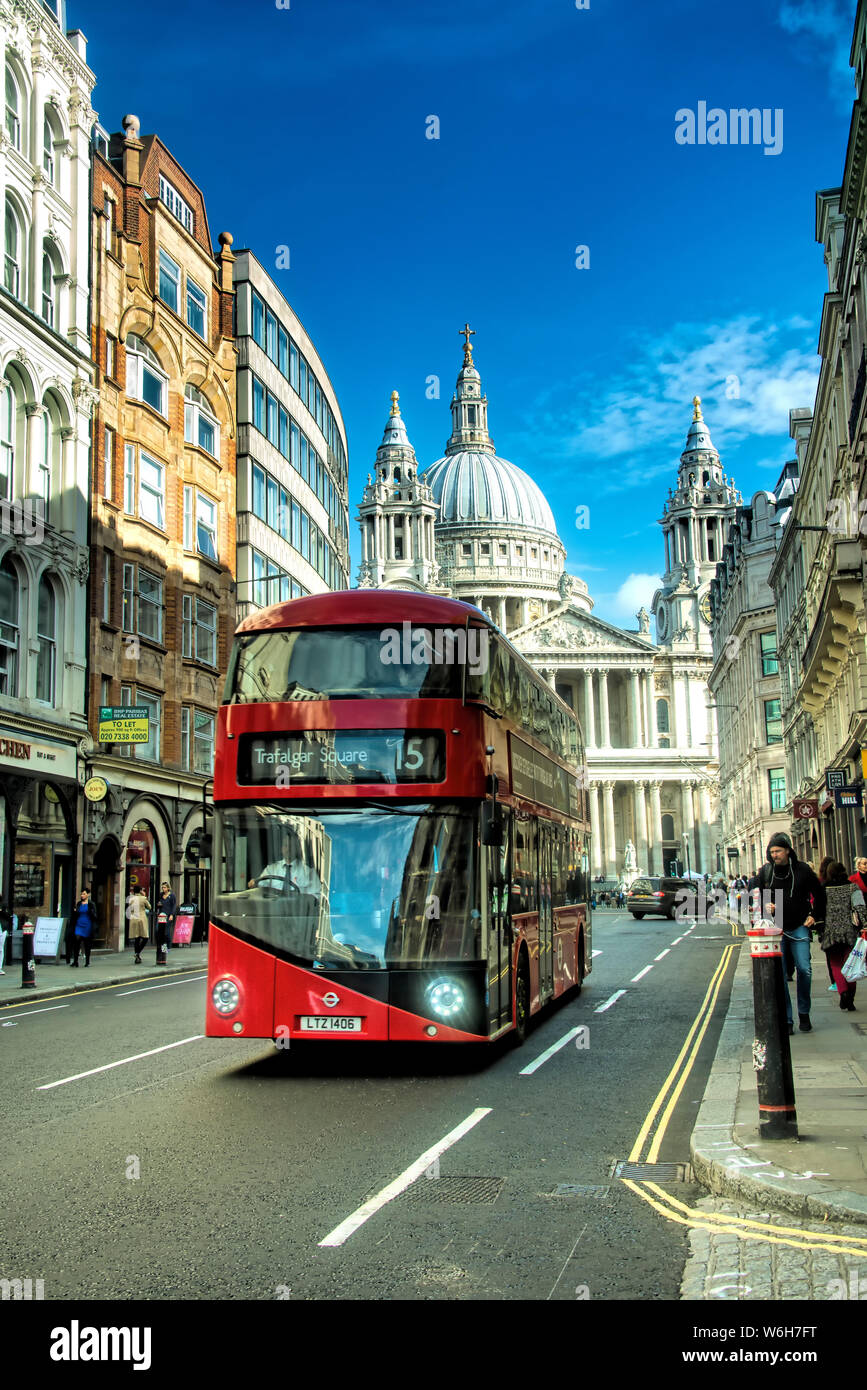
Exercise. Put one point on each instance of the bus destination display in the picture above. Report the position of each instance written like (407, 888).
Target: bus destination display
(341, 757)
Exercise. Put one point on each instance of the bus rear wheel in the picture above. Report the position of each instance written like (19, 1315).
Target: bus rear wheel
(522, 1000)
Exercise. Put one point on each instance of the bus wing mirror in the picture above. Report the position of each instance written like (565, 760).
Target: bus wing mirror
(492, 825)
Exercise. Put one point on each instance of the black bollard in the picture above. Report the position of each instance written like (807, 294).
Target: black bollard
(772, 1055)
(28, 966)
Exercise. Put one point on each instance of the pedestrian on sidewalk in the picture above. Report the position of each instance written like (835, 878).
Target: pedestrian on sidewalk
(5, 930)
(845, 918)
(167, 911)
(83, 922)
(822, 874)
(138, 911)
(859, 878)
(801, 899)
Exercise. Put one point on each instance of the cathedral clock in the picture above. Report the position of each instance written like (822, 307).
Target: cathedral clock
(704, 607)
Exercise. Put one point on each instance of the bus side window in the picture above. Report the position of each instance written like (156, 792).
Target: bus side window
(558, 866)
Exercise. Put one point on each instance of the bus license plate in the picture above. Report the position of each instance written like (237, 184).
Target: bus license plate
(314, 1023)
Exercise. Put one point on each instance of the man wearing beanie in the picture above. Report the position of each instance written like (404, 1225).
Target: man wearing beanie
(796, 900)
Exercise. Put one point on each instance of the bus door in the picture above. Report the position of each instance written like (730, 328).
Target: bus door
(498, 867)
(546, 916)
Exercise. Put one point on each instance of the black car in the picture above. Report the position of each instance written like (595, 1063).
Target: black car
(661, 896)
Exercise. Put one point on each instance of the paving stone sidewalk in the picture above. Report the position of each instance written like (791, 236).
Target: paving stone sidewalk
(106, 968)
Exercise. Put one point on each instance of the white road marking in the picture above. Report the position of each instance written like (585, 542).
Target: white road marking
(637, 977)
(595, 953)
(678, 938)
(608, 1002)
(346, 1228)
(50, 1009)
(79, 1076)
(549, 1051)
(662, 953)
(168, 984)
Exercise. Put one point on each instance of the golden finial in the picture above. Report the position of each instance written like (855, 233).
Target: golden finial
(696, 400)
(394, 400)
(468, 347)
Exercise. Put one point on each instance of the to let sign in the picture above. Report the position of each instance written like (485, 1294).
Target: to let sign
(124, 724)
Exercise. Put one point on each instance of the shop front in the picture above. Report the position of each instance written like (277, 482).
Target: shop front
(39, 833)
(142, 869)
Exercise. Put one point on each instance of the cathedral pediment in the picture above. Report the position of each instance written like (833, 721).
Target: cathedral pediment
(571, 630)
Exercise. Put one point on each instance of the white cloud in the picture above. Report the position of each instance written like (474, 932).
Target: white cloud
(749, 375)
(828, 27)
(636, 590)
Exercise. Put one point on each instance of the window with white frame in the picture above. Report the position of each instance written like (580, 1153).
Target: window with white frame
(46, 634)
(129, 479)
(108, 442)
(206, 526)
(151, 491)
(48, 148)
(142, 603)
(185, 737)
(13, 109)
(145, 379)
(106, 589)
(200, 423)
(44, 483)
(199, 635)
(150, 751)
(176, 205)
(111, 356)
(9, 628)
(7, 441)
(170, 282)
(126, 700)
(203, 742)
(197, 307)
(14, 242)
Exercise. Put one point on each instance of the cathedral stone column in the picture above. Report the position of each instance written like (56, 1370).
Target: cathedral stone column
(688, 817)
(605, 725)
(650, 702)
(656, 828)
(502, 617)
(638, 740)
(641, 845)
(595, 831)
(708, 857)
(590, 711)
(610, 843)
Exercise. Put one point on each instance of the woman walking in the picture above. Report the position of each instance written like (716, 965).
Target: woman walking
(138, 911)
(167, 911)
(822, 875)
(83, 924)
(845, 917)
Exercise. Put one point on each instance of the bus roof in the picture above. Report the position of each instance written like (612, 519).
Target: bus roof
(365, 606)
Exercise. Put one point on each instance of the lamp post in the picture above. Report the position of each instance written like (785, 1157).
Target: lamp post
(685, 838)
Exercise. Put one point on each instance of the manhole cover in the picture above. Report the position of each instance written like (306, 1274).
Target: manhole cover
(580, 1189)
(653, 1172)
(457, 1190)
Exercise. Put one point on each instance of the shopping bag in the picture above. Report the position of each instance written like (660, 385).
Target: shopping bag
(855, 964)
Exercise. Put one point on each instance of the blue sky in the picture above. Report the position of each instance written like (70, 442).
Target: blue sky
(307, 126)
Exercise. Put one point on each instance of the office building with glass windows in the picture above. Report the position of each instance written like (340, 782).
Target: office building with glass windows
(162, 611)
(293, 507)
(46, 397)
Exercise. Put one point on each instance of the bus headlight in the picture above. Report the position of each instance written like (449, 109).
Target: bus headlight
(225, 997)
(445, 998)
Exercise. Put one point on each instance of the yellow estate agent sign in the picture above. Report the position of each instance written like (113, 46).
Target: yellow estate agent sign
(123, 724)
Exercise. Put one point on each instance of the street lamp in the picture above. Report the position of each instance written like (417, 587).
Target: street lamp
(685, 838)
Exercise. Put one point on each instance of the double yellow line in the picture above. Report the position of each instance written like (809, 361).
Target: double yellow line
(669, 1206)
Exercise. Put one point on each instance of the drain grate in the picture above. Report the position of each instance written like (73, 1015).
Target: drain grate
(580, 1189)
(455, 1190)
(653, 1172)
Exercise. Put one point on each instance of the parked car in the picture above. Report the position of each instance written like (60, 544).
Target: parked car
(660, 896)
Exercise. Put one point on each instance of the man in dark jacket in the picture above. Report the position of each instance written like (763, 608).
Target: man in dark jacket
(794, 897)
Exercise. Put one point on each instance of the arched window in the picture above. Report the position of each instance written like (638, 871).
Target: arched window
(13, 109)
(145, 379)
(7, 441)
(668, 827)
(45, 460)
(9, 628)
(200, 423)
(14, 254)
(46, 632)
(48, 149)
(662, 724)
(48, 305)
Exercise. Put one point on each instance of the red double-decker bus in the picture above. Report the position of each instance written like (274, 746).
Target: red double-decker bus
(401, 828)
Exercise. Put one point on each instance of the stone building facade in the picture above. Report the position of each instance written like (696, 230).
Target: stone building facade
(46, 398)
(162, 610)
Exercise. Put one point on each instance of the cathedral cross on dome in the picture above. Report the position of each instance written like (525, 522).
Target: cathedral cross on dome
(468, 347)
(696, 400)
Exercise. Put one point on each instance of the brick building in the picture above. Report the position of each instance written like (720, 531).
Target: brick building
(163, 515)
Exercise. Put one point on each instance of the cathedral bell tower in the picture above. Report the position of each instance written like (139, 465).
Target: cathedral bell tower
(695, 524)
(396, 517)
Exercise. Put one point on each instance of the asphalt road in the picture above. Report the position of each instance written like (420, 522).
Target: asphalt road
(214, 1169)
